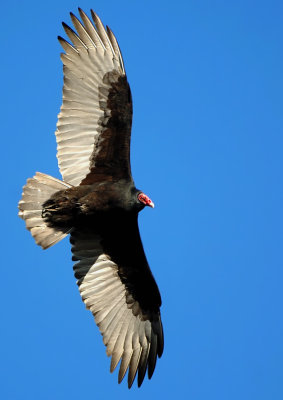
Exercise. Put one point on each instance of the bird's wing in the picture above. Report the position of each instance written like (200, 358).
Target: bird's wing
(117, 286)
(94, 124)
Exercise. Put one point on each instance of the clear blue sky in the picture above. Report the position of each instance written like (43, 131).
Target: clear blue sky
(207, 83)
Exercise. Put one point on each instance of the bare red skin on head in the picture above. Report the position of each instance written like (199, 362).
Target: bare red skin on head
(143, 198)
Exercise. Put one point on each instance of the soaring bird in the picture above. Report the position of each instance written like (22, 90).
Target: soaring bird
(97, 202)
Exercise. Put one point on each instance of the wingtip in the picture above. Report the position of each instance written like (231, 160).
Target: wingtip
(93, 13)
(140, 380)
(109, 31)
(81, 12)
(95, 17)
(65, 26)
(73, 18)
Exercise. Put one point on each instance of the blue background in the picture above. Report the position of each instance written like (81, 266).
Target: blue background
(207, 84)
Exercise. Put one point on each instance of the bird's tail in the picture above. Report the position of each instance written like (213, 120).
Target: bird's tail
(36, 191)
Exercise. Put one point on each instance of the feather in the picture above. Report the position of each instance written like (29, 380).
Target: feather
(91, 30)
(152, 354)
(86, 39)
(101, 31)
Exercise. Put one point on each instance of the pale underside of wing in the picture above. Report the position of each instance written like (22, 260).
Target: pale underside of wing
(92, 64)
(132, 335)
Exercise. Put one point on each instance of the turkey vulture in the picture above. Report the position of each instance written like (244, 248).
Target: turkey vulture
(97, 202)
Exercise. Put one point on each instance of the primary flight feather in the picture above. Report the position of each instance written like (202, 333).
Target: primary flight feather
(97, 202)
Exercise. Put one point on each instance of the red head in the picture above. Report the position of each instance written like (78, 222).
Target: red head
(144, 199)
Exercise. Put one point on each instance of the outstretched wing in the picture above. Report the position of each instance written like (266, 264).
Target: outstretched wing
(117, 286)
(94, 124)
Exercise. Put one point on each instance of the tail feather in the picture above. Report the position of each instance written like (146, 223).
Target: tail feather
(36, 191)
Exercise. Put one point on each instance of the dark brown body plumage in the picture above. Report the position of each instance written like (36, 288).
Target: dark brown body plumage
(83, 204)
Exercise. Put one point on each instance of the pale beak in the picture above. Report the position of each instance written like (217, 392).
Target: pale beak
(151, 204)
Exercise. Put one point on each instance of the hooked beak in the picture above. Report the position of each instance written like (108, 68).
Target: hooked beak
(143, 198)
